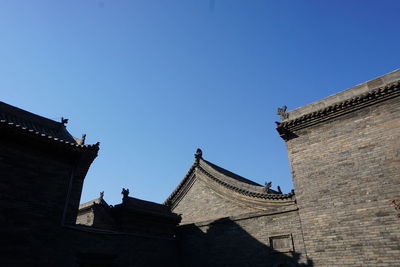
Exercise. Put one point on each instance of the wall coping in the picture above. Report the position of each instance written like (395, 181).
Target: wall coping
(344, 95)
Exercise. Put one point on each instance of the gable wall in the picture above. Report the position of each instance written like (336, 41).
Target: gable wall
(201, 203)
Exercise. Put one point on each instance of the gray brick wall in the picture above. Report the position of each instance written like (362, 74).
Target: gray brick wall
(243, 241)
(201, 203)
(346, 171)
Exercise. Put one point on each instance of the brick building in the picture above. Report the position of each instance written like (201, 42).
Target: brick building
(344, 152)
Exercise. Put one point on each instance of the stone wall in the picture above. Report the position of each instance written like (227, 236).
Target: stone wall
(346, 171)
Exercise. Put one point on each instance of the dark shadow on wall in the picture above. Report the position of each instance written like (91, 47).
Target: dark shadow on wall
(225, 243)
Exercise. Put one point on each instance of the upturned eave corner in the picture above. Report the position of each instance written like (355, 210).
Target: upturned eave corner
(284, 132)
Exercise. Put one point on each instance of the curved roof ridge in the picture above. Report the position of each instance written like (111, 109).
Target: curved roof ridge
(230, 174)
(226, 179)
(247, 191)
(181, 184)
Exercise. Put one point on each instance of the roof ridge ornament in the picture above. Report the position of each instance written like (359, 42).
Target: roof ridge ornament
(282, 113)
(83, 139)
(279, 190)
(64, 121)
(198, 155)
(125, 193)
(267, 187)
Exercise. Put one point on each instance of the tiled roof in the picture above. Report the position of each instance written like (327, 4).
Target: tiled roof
(148, 206)
(25, 122)
(133, 208)
(226, 179)
(230, 175)
(256, 191)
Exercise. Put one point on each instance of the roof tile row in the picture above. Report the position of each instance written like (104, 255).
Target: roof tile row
(385, 92)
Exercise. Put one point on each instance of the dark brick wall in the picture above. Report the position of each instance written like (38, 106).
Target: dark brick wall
(34, 186)
(243, 241)
(33, 181)
(346, 171)
(124, 249)
(33, 190)
(68, 247)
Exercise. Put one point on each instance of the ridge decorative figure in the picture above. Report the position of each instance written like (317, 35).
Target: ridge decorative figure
(125, 193)
(282, 113)
(267, 187)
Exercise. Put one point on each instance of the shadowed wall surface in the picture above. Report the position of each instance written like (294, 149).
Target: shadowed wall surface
(258, 239)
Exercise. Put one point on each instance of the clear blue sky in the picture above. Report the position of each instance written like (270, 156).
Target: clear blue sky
(154, 80)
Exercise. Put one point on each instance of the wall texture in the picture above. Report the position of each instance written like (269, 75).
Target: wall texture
(202, 203)
(245, 240)
(346, 171)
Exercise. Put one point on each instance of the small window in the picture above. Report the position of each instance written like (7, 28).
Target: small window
(281, 243)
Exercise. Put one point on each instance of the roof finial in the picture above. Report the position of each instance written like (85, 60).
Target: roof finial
(279, 190)
(125, 193)
(282, 113)
(83, 139)
(267, 187)
(198, 155)
(64, 121)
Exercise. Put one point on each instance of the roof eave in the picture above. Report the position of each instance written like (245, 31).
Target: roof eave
(287, 129)
(18, 129)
